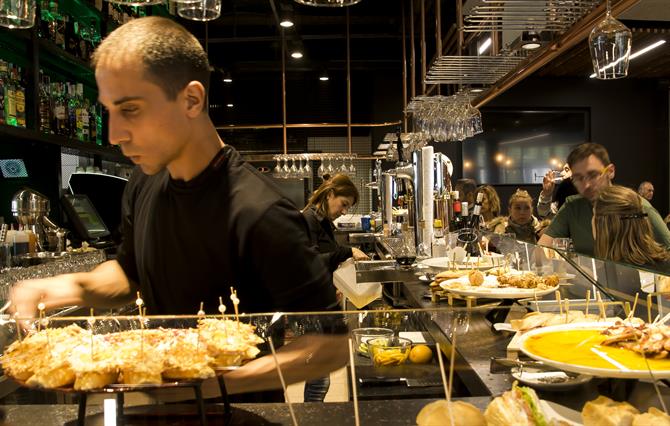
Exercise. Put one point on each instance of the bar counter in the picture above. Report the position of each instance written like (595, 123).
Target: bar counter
(396, 412)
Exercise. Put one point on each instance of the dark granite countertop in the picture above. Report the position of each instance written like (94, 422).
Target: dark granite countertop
(393, 412)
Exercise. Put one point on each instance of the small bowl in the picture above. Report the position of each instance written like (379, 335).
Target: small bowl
(362, 335)
(389, 351)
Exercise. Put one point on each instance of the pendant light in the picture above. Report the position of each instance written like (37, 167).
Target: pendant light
(610, 45)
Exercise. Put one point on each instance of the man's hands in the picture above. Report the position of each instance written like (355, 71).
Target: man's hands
(54, 292)
(105, 286)
(358, 254)
(548, 184)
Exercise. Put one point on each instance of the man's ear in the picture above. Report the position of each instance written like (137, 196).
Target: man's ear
(195, 97)
(611, 172)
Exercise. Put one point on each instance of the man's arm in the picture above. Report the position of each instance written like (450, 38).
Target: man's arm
(105, 286)
(545, 240)
(308, 357)
(658, 226)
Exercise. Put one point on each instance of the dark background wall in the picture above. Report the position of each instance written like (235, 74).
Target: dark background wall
(629, 117)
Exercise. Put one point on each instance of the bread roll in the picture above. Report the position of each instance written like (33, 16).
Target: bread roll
(603, 411)
(450, 275)
(654, 417)
(437, 414)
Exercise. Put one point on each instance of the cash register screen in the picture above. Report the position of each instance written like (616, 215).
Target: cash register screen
(85, 218)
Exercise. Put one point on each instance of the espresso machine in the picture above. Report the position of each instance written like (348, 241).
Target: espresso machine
(31, 210)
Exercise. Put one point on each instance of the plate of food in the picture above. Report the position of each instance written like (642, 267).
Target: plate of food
(482, 263)
(550, 380)
(621, 349)
(510, 286)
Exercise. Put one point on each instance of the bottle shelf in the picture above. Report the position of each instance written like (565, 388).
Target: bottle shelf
(18, 135)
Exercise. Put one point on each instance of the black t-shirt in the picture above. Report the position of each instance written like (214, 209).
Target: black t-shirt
(323, 239)
(187, 242)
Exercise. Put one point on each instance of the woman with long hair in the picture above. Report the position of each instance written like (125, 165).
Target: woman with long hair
(331, 200)
(622, 231)
(520, 221)
(490, 206)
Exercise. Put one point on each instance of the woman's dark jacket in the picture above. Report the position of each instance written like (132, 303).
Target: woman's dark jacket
(321, 232)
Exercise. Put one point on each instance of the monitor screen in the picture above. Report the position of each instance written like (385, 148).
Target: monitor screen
(520, 146)
(86, 220)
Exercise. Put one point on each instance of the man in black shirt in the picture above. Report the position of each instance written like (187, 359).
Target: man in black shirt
(196, 218)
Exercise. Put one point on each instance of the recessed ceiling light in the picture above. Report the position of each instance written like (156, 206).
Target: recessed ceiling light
(286, 23)
(296, 55)
(477, 90)
(229, 105)
(324, 78)
(227, 80)
(530, 40)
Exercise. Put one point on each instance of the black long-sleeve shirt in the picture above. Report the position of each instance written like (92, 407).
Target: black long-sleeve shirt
(321, 231)
(187, 242)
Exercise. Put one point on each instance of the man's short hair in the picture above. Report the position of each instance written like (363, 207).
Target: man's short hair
(641, 186)
(585, 150)
(171, 55)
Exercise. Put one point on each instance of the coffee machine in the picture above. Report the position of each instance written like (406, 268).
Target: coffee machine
(31, 209)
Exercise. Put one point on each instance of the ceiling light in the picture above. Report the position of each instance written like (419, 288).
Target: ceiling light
(227, 78)
(286, 23)
(484, 46)
(508, 162)
(530, 40)
(476, 90)
(229, 105)
(500, 158)
(323, 76)
(467, 164)
(640, 52)
(296, 54)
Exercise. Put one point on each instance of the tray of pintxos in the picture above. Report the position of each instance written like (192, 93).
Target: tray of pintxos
(497, 283)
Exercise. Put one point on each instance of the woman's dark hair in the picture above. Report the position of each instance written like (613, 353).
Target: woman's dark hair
(338, 185)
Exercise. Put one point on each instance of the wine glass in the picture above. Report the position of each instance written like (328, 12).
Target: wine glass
(277, 172)
(285, 169)
(307, 170)
(293, 169)
(352, 168)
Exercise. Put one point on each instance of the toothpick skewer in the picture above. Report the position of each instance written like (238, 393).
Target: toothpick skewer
(283, 383)
(601, 305)
(91, 322)
(353, 381)
(447, 388)
(42, 321)
(236, 302)
(139, 302)
(588, 300)
(222, 307)
(567, 311)
(18, 326)
(452, 361)
(201, 315)
(631, 314)
(537, 305)
(558, 300)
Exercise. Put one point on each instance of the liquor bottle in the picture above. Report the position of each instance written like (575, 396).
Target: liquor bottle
(3, 83)
(60, 110)
(10, 97)
(78, 113)
(85, 121)
(456, 207)
(71, 110)
(465, 215)
(45, 104)
(476, 221)
(20, 93)
(59, 36)
(71, 42)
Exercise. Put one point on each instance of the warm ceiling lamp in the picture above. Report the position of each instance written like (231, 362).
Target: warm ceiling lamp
(328, 3)
(610, 44)
(530, 40)
(286, 20)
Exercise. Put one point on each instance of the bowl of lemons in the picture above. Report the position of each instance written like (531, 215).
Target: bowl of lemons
(389, 351)
(363, 335)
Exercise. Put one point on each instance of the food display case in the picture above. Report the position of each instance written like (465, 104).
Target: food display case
(488, 339)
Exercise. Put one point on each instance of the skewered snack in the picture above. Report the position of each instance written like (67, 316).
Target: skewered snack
(652, 341)
(528, 280)
(543, 319)
(475, 278)
(72, 356)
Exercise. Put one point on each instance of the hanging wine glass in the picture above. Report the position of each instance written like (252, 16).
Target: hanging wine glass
(307, 169)
(293, 169)
(277, 172)
(285, 169)
(343, 167)
(322, 169)
(352, 168)
(610, 45)
(329, 169)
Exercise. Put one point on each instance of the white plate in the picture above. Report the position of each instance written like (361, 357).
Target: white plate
(558, 412)
(541, 379)
(485, 262)
(623, 373)
(424, 279)
(489, 290)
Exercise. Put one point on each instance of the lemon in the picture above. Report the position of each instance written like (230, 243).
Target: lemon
(420, 354)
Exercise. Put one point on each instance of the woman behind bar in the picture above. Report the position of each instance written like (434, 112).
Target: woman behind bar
(490, 206)
(622, 232)
(330, 201)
